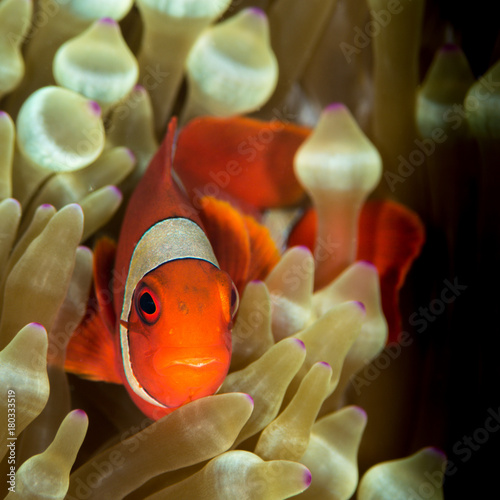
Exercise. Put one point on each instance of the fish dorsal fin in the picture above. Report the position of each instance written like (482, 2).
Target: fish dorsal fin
(161, 163)
(244, 248)
(224, 156)
(91, 349)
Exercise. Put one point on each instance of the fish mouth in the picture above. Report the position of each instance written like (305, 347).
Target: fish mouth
(182, 374)
(193, 362)
(205, 359)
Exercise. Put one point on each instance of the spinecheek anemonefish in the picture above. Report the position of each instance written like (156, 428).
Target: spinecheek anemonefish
(166, 335)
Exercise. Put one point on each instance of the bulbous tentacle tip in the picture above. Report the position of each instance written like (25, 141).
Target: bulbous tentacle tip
(250, 399)
(307, 478)
(109, 21)
(95, 108)
(39, 327)
(335, 106)
(362, 413)
(302, 248)
(367, 264)
(300, 343)
(438, 453)
(116, 191)
(257, 12)
(12, 203)
(74, 208)
(360, 305)
(255, 282)
(325, 364)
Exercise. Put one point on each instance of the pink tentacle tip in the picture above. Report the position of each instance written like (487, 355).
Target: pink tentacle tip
(80, 413)
(250, 398)
(303, 248)
(108, 20)
(367, 264)
(3, 114)
(324, 363)
(335, 106)
(117, 191)
(257, 12)
(38, 326)
(307, 478)
(301, 344)
(95, 108)
(361, 412)
(361, 305)
(131, 154)
(436, 451)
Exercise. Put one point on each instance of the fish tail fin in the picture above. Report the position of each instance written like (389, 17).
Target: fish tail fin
(391, 237)
(91, 349)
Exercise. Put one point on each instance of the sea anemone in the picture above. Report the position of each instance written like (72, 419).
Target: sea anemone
(317, 403)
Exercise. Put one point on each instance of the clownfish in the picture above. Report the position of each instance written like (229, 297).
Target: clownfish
(160, 322)
(166, 295)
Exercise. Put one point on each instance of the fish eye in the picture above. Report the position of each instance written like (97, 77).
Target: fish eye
(235, 300)
(147, 306)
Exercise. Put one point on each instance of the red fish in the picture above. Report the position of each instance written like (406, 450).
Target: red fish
(166, 334)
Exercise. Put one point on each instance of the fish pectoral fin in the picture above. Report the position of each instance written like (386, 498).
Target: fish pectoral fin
(91, 350)
(263, 250)
(227, 233)
(104, 260)
(243, 247)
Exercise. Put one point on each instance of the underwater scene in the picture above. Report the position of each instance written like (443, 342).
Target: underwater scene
(248, 249)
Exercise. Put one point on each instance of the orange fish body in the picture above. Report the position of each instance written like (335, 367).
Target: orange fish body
(172, 304)
(175, 308)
